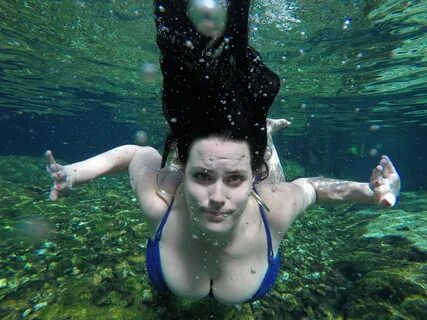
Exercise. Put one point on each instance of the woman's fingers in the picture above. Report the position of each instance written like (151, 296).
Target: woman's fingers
(388, 200)
(376, 177)
(52, 165)
(58, 175)
(385, 182)
(388, 165)
(49, 157)
(54, 194)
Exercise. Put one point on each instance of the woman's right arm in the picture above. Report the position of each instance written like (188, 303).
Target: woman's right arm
(112, 161)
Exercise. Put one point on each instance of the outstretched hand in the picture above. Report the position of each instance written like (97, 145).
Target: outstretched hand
(385, 183)
(59, 175)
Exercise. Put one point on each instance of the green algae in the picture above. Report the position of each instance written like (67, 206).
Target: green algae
(83, 257)
(293, 170)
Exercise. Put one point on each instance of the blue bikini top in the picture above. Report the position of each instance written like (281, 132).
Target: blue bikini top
(154, 266)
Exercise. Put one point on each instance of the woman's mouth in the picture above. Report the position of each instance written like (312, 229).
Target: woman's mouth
(215, 213)
(216, 216)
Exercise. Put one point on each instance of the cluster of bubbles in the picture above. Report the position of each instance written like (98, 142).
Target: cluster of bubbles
(346, 23)
(278, 13)
(373, 152)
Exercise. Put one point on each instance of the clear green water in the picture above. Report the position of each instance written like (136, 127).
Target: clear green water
(67, 66)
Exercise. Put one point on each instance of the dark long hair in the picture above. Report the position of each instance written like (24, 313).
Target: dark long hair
(219, 87)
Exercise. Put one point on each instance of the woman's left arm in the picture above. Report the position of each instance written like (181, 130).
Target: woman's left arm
(382, 190)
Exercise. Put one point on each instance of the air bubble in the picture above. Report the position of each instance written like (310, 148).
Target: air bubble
(189, 44)
(373, 152)
(141, 138)
(374, 127)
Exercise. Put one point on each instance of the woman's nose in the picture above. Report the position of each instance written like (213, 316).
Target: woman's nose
(217, 196)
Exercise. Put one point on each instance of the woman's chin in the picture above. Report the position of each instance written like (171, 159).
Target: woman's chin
(216, 224)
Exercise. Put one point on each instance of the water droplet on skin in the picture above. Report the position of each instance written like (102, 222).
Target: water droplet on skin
(161, 9)
(197, 277)
(173, 120)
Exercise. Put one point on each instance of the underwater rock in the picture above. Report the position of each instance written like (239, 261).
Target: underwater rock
(401, 224)
(147, 296)
(26, 312)
(39, 306)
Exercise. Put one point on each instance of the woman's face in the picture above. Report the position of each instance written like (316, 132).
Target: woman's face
(218, 181)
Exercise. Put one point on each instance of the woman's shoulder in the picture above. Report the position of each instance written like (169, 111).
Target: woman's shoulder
(283, 201)
(152, 185)
(278, 191)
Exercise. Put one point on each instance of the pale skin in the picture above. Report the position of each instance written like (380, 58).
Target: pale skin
(214, 231)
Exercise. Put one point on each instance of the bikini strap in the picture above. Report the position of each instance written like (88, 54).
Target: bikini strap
(163, 222)
(270, 253)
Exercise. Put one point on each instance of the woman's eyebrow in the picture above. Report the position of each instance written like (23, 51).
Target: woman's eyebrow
(244, 171)
(198, 168)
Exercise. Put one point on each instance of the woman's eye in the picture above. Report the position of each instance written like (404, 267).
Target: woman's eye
(235, 179)
(202, 177)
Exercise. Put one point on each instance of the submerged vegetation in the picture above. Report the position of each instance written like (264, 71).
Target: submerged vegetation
(83, 257)
(353, 77)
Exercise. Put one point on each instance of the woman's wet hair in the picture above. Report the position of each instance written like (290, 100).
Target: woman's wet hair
(213, 87)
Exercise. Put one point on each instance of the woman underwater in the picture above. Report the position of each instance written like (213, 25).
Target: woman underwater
(215, 216)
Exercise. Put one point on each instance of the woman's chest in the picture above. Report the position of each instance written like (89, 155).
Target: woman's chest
(231, 275)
